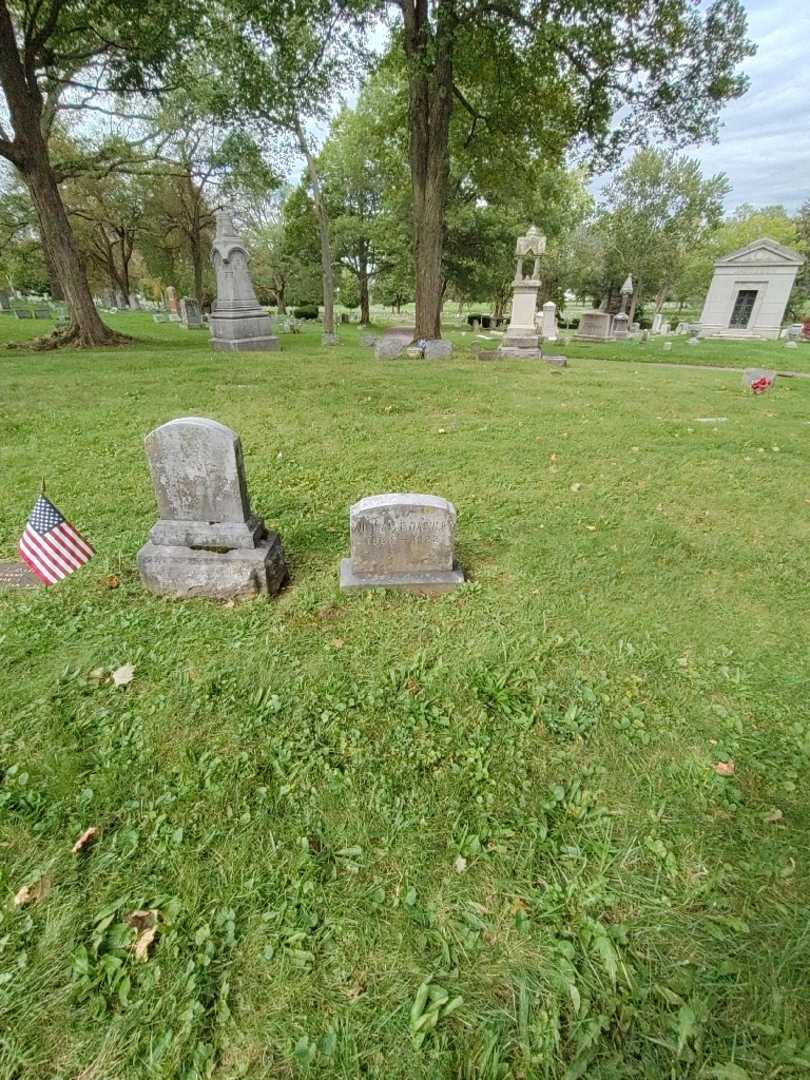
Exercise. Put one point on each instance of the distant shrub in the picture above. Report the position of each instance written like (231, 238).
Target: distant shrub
(645, 323)
(307, 312)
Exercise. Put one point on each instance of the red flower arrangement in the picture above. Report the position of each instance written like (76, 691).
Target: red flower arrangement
(760, 385)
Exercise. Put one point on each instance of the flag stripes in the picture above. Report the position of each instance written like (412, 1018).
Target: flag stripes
(50, 546)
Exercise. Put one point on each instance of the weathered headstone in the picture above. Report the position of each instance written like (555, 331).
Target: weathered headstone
(437, 349)
(402, 541)
(620, 321)
(594, 326)
(208, 541)
(549, 329)
(389, 348)
(171, 300)
(190, 313)
(657, 323)
(238, 323)
(522, 339)
(23, 313)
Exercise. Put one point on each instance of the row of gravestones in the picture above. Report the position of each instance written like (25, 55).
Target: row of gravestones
(209, 542)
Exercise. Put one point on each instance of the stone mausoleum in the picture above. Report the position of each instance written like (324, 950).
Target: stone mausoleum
(750, 290)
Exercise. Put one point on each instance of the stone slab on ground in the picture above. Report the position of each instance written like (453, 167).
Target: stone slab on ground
(555, 361)
(222, 575)
(516, 353)
(15, 575)
(269, 343)
(426, 582)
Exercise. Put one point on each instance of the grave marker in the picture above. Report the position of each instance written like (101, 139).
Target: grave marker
(402, 541)
(208, 541)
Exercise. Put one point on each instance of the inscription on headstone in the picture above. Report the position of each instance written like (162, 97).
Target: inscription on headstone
(402, 541)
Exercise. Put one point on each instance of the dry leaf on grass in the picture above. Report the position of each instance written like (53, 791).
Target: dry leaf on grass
(724, 768)
(33, 893)
(576, 487)
(773, 816)
(146, 922)
(87, 838)
(337, 643)
(124, 675)
(110, 582)
(144, 942)
(460, 864)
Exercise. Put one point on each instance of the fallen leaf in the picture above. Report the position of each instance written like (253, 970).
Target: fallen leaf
(460, 864)
(774, 816)
(356, 991)
(110, 582)
(98, 674)
(143, 920)
(442, 431)
(724, 768)
(576, 487)
(591, 528)
(87, 838)
(144, 942)
(554, 458)
(338, 643)
(124, 675)
(33, 893)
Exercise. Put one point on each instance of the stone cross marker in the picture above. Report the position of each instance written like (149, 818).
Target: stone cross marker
(208, 541)
(402, 541)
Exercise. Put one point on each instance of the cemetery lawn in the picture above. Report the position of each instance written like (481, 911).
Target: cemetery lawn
(572, 795)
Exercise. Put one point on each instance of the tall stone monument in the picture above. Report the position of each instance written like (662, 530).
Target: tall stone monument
(237, 321)
(402, 541)
(521, 338)
(208, 541)
(621, 318)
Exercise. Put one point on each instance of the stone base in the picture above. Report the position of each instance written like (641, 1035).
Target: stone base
(521, 340)
(221, 575)
(519, 352)
(269, 343)
(555, 361)
(427, 582)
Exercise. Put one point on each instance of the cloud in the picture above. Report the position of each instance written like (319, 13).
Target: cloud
(764, 143)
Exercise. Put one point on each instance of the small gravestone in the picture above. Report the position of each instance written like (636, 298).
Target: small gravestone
(208, 541)
(23, 313)
(190, 313)
(14, 575)
(555, 361)
(389, 348)
(43, 313)
(437, 349)
(171, 299)
(758, 379)
(402, 541)
(791, 344)
(667, 346)
(620, 322)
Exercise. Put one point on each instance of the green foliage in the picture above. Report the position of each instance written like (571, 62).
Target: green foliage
(353, 811)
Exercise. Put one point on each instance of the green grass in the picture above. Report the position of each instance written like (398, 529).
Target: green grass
(292, 783)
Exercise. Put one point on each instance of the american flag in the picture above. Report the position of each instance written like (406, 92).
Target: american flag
(50, 546)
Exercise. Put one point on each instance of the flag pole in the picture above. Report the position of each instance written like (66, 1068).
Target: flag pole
(42, 487)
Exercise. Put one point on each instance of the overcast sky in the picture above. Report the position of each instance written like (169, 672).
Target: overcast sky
(764, 146)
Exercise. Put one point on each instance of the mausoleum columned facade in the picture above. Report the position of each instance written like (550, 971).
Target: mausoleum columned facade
(750, 291)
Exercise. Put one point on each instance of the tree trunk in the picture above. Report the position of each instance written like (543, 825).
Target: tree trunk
(86, 329)
(281, 298)
(327, 270)
(195, 243)
(634, 303)
(29, 153)
(430, 104)
(365, 310)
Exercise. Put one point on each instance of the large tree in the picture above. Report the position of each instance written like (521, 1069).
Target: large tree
(655, 212)
(546, 73)
(60, 54)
